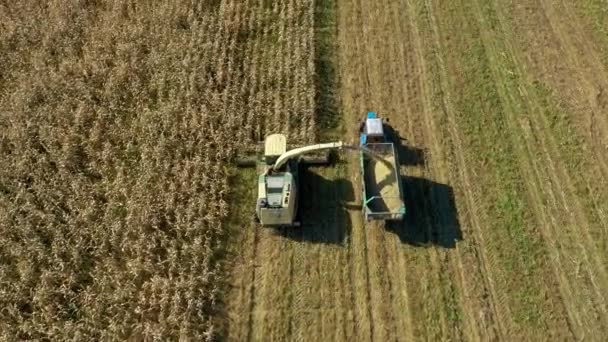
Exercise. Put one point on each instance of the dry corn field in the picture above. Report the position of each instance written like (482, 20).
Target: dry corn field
(117, 123)
(123, 217)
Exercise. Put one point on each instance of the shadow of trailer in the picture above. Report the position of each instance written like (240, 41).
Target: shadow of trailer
(382, 189)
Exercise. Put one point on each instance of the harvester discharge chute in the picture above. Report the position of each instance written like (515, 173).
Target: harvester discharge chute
(277, 170)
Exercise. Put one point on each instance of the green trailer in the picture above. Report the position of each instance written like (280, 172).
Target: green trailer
(382, 188)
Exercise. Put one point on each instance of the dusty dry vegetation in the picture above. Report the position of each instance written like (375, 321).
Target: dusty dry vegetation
(122, 216)
(117, 122)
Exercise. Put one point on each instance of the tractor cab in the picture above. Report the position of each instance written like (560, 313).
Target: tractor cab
(372, 130)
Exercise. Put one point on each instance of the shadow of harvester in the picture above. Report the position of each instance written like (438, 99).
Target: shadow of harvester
(322, 209)
(432, 217)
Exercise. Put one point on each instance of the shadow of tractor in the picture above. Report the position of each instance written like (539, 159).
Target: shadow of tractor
(432, 217)
(408, 155)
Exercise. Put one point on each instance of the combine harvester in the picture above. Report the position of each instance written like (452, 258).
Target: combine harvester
(277, 202)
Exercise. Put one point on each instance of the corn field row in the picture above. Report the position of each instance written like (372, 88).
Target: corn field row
(118, 120)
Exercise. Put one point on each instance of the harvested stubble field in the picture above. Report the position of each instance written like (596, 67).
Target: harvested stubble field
(122, 216)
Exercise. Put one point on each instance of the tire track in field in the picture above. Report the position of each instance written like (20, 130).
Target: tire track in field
(560, 189)
(560, 194)
(268, 314)
(242, 302)
(415, 120)
(446, 261)
(419, 120)
(564, 58)
(588, 77)
(489, 37)
(552, 317)
(305, 280)
(252, 291)
(241, 306)
(433, 256)
(365, 100)
(396, 86)
(381, 79)
(528, 149)
(536, 190)
(429, 273)
(397, 61)
(469, 293)
(378, 59)
(494, 315)
(497, 313)
(276, 93)
(556, 54)
(351, 78)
